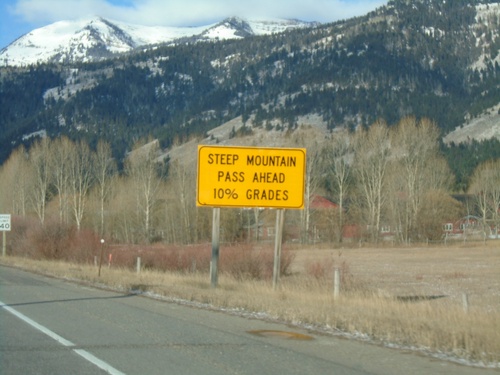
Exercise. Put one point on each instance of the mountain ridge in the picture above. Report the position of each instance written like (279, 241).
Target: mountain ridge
(97, 38)
(425, 58)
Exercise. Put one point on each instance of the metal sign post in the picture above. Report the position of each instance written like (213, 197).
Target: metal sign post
(4, 227)
(280, 215)
(214, 264)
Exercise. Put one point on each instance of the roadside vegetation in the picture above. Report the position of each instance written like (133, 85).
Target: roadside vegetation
(405, 297)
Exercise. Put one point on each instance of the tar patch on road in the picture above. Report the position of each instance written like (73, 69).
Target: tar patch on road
(281, 334)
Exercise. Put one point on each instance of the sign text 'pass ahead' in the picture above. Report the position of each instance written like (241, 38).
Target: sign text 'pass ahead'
(251, 177)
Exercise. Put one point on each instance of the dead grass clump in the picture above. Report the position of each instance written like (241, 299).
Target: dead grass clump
(324, 270)
(455, 275)
(434, 328)
(320, 269)
(248, 262)
(244, 262)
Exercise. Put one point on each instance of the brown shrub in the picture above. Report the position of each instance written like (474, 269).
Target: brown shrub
(241, 261)
(16, 243)
(51, 241)
(83, 245)
(320, 269)
(244, 261)
(324, 270)
(162, 257)
(48, 241)
(54, 241)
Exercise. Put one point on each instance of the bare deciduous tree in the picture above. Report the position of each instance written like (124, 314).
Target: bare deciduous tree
(143, 168)
(81, 175)
(313, 177)
(312, 182)
(15, 180)
(39, 158)
(437, 208)
(61, 150)
(338, 154)
(183, 185)
(105, 171)
(415, 146)
(485, 186)
(123, 220)
(372, 150)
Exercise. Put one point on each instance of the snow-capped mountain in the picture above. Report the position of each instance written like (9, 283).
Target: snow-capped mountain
(236, 27)
(93, 39)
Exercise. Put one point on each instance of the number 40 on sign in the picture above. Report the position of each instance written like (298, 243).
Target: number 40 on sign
(5, 223)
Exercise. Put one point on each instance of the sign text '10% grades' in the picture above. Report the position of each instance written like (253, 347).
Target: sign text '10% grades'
(251, 177)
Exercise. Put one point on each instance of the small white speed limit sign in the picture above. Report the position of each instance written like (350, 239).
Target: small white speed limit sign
(5, 223)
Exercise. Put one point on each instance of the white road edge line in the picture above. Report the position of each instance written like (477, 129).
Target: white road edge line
(82, 353)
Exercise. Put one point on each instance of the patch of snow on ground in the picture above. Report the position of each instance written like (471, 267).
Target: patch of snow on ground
(482, 128)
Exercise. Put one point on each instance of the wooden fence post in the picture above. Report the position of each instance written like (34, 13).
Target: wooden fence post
(465, 302)
(336, 283)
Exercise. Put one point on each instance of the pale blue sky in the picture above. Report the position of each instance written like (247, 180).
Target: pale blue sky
(17, 17)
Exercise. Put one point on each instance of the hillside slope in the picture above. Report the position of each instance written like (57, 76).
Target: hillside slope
(424, 58)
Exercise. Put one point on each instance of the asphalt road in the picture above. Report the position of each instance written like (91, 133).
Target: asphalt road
(49, 326)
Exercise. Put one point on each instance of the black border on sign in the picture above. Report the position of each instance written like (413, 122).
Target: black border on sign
(250, 206)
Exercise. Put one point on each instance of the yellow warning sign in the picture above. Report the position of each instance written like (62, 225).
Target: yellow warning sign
(251, 177)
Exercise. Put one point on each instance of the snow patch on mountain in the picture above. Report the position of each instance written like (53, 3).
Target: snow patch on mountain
(487, 17)
(486, 126)
(85, 40)
(236, 27)
(96, 38)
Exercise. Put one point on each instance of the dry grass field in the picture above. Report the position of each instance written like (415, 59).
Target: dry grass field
(442, 274)
(407, 297)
